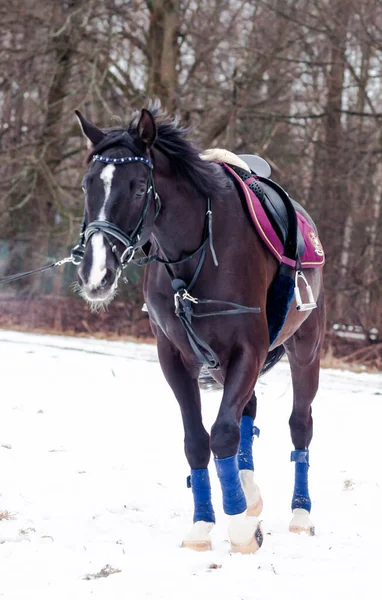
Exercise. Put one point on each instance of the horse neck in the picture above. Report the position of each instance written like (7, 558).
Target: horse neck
(180, 224)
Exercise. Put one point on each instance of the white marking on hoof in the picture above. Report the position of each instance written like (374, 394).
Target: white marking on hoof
(245, 533)
(301, 522)
(251, 492)
(255, 510)
(198, 538)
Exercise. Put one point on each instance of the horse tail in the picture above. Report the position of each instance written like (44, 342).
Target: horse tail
(273, 357)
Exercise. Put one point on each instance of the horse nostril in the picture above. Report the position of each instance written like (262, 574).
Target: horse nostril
(104, 282)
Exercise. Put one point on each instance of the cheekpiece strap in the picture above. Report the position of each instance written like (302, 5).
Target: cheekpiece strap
(123, 160)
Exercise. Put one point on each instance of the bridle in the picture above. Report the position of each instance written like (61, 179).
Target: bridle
(110, 231)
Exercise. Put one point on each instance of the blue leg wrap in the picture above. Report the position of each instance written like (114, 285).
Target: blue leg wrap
(234, 501)
(301, 492)
(199, 482)
(247, 433)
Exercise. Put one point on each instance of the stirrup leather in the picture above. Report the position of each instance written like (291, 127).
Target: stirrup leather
(299, 304)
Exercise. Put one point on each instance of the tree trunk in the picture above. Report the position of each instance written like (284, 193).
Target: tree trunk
(65, 36)
(335, 198)
(163, 42)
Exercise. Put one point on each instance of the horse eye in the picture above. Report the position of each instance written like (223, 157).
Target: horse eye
(141, 190)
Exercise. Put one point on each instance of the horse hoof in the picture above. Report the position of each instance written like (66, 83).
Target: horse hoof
(253, 546)
(198, 538)
(201, 546)
(301, 522)
(310, 531)
(256, 509)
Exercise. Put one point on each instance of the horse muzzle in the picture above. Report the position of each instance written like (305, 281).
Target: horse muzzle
(97, 288)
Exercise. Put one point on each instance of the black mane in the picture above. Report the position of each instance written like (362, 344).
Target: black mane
(205, 177)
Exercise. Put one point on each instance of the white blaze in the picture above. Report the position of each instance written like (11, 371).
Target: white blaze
(98, 269)
(107, 178)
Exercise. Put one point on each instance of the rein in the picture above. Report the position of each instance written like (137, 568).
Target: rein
(74, 258)
(10, 278)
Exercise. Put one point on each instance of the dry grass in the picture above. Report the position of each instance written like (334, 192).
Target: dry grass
(126, 322)
(70, 316)
(5, 515)
(104, 572)
(348, 485)
(100, 335)
(352, 362)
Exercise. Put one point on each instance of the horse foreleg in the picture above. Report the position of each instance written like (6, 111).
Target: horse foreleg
(243, 530)
(304, 350)
(245, 459)
(184, 384)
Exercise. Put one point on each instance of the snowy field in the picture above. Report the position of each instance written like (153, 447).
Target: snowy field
(93, 478)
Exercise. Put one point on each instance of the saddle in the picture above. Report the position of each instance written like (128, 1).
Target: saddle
(279, 209)
(289, 236)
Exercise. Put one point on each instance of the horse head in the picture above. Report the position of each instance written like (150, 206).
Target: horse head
(120, 204)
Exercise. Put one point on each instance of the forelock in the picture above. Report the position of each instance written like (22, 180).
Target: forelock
(115, 143)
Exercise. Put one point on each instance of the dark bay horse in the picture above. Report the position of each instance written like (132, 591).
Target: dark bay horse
(147, 184)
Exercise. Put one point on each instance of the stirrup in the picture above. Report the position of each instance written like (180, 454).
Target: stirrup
(299, 304)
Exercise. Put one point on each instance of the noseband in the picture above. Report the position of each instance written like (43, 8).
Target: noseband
(110, 231)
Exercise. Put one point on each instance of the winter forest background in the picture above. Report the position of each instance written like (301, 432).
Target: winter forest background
(296, 81)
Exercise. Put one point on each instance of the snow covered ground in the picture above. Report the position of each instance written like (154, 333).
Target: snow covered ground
(92, 474)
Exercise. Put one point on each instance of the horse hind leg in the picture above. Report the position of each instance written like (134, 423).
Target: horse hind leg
(304, 350)
(301, 427)
(248, 431)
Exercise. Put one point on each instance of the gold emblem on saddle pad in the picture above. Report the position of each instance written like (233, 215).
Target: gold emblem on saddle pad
(316, 243)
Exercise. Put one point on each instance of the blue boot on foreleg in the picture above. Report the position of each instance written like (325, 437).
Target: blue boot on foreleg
(198, 537)
(246, 468)
(301, 503)
(244, 533)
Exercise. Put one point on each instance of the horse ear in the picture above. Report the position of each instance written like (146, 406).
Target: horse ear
(147, 129)
(93, 134)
